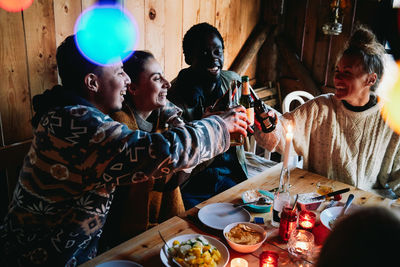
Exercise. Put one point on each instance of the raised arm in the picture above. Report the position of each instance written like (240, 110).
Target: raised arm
(106, 151)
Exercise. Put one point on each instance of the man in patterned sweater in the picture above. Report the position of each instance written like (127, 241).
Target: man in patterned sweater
(79, 155)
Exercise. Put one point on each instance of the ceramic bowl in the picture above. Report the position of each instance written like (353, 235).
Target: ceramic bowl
(329, 215)
(245, 248)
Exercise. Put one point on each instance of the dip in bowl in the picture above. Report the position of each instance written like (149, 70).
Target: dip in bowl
(244, 237)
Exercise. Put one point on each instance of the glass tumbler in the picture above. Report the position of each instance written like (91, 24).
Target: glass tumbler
(301, 243)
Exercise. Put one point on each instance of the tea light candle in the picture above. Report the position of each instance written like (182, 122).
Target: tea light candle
(239, 262)
(301, 247)
(307, 219)
(289, 137)
(269, 259)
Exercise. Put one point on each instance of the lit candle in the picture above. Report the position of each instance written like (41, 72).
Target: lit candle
(269, 259)
(301, 247)
(289, 137)
(239, 262)
(307, 219)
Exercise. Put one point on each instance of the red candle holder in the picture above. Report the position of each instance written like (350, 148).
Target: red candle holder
(307, 219)
(269, 259)
(288, 223)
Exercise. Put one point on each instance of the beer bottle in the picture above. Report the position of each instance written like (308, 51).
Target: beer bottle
(264, 115)
(237, 139)
(246, 100)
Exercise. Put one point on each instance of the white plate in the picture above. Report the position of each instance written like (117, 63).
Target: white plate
(119, 263)
(219, 215)
(182, 238)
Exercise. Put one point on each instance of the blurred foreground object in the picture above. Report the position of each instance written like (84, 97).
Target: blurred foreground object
(15, 5)
(106, 34)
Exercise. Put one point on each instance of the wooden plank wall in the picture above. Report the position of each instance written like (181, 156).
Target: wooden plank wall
(29, 39)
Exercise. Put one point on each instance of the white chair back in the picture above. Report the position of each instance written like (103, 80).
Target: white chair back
(296, 95)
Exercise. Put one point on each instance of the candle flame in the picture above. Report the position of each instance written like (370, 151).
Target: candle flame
(306, 224)
(289, 128)
(289, 131)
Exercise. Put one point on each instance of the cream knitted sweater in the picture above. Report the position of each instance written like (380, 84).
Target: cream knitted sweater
(357, 148)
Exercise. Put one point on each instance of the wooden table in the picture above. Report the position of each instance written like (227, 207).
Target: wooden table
(145, 248)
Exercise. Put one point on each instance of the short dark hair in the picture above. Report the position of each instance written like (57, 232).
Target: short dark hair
(134, 65)
(371, 231)
(192, 37)
(72, 65)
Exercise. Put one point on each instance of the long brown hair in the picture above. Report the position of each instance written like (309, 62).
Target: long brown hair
(134, 65)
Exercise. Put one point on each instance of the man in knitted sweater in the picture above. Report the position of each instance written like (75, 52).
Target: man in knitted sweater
(343, 136)
(79, 155)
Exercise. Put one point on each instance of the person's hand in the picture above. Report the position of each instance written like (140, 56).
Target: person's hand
(266, 121)
(208, 112)
(236, 120)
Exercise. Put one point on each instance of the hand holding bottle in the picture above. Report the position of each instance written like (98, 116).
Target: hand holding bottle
(236, 120)
(265, 117)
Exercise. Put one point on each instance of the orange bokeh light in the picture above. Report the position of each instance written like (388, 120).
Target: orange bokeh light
(391, 104)
(15, 5)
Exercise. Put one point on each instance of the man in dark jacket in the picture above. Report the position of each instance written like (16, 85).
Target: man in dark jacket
(195, 89)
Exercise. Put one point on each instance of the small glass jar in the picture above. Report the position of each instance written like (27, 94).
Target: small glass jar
(288, 223)
(307, 220)
(301, 243)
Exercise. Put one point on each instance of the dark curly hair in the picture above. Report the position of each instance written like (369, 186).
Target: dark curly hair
(134, 65)
(72, 65)
(364, 44)
(192, 37)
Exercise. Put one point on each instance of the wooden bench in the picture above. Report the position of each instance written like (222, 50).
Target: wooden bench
(11, 159)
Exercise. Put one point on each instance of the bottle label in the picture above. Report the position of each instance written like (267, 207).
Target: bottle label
(250, 115)
(281, 200)
(245, 88)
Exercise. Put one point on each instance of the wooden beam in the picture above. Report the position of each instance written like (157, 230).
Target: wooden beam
(296, 66)
(249, 50)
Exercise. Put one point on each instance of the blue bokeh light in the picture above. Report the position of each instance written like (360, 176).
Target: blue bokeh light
(106, 34)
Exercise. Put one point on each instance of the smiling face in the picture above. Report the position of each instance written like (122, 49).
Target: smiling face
(150, 90)
(112, 83)
(352, 82)
(208, 58)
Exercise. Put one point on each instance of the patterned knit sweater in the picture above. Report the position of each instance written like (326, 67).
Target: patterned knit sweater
(77, 158)
(357, 148)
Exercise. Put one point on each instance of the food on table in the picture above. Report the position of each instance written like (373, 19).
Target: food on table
(324, 189)
(332, 223)
(244, 235)
(254, 195)
(195, 252)
(305, 201)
